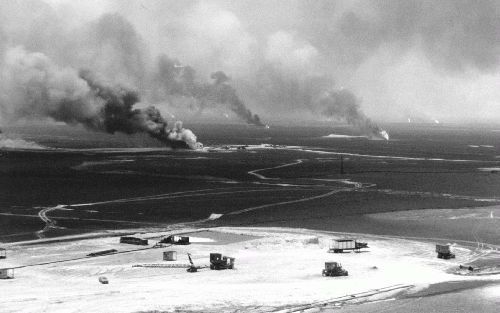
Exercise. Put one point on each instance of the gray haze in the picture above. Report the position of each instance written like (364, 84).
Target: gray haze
(288, 61)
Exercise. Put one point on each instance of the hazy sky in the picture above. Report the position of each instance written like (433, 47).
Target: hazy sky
(422, 60)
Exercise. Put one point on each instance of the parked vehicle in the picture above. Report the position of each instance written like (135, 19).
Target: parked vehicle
(220, 262)
(339, 245)
(444, 252)
(334, 269)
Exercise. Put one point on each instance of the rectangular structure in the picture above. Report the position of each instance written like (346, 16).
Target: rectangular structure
(6, 273)
(444, 252)
(101, 253)
(443, 248)
(134, 241)
(177, 240)
(170, 256)
(339, 245)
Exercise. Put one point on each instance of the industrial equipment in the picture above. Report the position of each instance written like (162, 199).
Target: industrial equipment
(176, 240)
(334, 269)
(192, 268)
(444, 252)
(339, 245)
(220, 262)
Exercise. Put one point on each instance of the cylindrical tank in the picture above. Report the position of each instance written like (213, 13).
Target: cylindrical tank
(170, 255)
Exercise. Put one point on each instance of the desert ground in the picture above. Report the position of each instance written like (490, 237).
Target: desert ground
(276, 270)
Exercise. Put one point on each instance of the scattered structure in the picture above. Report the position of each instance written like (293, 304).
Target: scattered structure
(6, 273)
(163, 265)
(444, 252)
(192, 268)
(103, 280)
(470, 268)
(176, 240)
(134, 241)
(339, 245)
(334, 269)
(220, 262)
(170, 256)
(101, 253)
(3, 253)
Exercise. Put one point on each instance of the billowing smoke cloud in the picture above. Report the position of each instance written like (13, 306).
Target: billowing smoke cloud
(399, 56)
(221, 92)
(439, 58)
(35, 87)
(178, 80)
(343, 105)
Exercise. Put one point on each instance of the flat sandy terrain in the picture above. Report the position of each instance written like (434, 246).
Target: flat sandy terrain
(276, 269)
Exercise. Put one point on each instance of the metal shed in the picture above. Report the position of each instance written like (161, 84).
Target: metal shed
(6, 273)
(170, 256)
(3, 253)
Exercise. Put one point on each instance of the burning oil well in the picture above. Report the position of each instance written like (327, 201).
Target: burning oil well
(175, 79)
(37, 88)
(343, 105)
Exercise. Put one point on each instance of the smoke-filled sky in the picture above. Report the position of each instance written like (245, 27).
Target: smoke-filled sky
(286, 60)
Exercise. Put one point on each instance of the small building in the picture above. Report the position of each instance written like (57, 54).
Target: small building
(170, 256)
(339, 245)
(134, 241)
(3, 253)
(6, 273)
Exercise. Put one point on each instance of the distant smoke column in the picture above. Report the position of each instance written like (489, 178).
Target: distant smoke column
(120, 116)
(343, 105)
(175, 79)
(222, 92)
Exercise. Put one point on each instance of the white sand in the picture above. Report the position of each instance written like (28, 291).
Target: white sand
(280, 267)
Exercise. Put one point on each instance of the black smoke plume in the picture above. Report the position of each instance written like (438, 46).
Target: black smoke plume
(221, 92)
(344, 106)
(36, 88)
(118, 115)
(178, 80)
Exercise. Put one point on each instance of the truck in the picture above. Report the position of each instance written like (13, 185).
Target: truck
(221, 262)
(334, 269)
(444, 252)
(339, 245)
(176, 240)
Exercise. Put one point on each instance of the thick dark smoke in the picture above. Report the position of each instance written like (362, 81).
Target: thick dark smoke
(37, 88)
(221, 92)
(178, 80)
(440, 58)
(343, 105)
